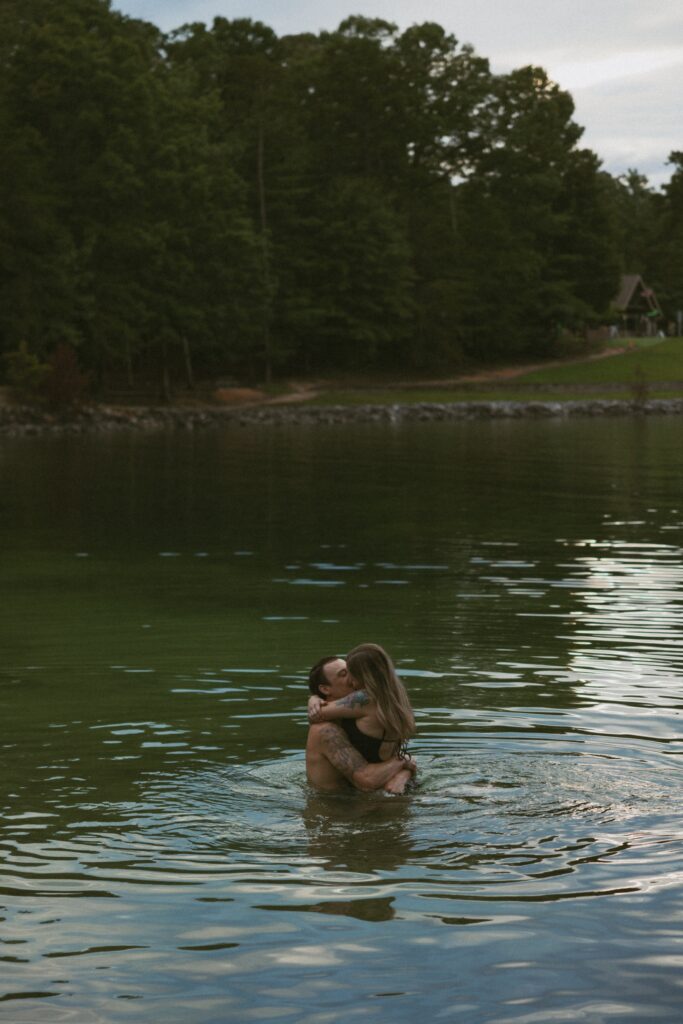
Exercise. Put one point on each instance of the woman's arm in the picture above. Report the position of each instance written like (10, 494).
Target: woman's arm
(354, 705)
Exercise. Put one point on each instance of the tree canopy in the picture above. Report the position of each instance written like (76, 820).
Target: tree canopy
(222, 199)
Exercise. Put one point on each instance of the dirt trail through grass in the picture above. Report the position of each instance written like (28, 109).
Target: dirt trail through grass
(301, 392)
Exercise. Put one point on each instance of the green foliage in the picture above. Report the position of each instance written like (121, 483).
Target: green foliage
(59, 381)
(222, 200)
(534, 228)
(668, 258)
(363, 286)
(634, 219)
(24, 371)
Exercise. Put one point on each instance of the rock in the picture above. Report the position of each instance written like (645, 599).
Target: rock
(17, 421)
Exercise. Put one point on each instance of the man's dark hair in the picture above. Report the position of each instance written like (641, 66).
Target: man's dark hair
(316, 676)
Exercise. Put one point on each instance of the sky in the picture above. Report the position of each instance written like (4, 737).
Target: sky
(622, 60)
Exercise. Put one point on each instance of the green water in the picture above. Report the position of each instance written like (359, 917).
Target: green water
(163, 596)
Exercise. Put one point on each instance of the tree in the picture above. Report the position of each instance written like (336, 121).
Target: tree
(127, 231)
(534, 224)
(443, 93)
(220, 199)
(362, 287)
(667, 258)
(634, 217)
(37, 258)
(74, 89)
(245, 63)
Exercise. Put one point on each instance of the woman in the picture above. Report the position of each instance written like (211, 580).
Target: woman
(376, 715)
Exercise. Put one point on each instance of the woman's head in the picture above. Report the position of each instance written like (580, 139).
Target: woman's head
(371, 669)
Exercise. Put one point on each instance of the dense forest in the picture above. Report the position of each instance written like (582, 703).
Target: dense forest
(221, 201)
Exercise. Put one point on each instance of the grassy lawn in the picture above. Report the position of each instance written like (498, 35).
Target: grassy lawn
(662, 362)
(650, 368)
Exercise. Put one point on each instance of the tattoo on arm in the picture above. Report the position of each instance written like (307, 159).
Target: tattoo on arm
(340, 753)
(357, 699)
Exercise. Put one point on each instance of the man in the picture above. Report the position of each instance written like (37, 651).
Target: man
(331, 760)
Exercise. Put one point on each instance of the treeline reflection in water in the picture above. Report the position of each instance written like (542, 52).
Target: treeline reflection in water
(163, 856)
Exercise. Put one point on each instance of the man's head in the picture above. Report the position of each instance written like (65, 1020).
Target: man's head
(329, 678)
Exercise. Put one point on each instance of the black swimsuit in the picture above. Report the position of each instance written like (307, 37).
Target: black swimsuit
(368, 746)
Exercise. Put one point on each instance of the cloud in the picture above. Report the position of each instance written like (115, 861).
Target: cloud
(634, 121)
(511, 31)
(622, 66)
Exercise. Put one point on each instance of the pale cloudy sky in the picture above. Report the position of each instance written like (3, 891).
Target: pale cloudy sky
(622, 60)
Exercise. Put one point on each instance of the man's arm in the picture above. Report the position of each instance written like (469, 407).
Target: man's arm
(343, 756)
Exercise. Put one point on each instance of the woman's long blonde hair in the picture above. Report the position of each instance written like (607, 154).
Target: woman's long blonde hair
(372, 668)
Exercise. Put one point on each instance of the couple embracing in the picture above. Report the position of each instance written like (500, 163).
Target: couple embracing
(361, 721)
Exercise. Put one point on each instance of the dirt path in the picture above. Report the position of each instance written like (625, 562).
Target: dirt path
(509, 373)
(301, 392)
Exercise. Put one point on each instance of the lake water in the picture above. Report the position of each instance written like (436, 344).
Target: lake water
(162, 599)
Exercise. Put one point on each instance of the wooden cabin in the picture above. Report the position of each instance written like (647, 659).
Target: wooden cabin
(637, 308)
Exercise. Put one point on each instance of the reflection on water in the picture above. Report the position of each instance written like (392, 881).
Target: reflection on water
(162, 854)
(627, 631)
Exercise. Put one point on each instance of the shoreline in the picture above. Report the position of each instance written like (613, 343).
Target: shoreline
(23, 421)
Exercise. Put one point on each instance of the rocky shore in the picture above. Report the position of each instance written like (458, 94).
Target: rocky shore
(18, 420)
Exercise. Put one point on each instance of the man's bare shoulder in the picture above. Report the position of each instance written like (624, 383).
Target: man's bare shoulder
(326, 727)
(322, 732)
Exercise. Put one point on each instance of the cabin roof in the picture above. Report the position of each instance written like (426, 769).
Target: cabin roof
(634, 295)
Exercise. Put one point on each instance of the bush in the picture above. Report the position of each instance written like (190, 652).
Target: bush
(24, 371)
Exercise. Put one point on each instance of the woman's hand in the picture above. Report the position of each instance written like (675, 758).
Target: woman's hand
(315, 703)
